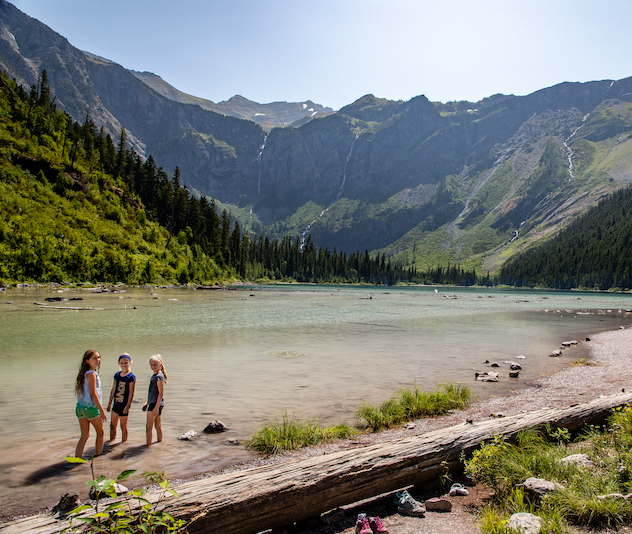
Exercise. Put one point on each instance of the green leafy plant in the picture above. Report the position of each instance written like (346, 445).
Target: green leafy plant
(133, 514)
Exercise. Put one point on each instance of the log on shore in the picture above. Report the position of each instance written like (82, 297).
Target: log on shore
(248, 501)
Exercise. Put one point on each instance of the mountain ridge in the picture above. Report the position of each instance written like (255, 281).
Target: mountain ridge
(423, 182)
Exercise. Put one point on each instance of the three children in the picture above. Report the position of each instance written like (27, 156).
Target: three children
(89, 409)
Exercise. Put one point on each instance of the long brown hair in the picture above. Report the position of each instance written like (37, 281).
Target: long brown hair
(83, 369)
(158, 357)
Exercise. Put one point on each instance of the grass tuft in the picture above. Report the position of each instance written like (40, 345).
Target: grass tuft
(291, 434)
(413, 403)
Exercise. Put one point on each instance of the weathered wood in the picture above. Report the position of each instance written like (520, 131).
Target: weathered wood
(252, 500)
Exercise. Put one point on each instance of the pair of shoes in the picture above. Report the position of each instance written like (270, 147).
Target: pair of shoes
(458, 489)
(406, 505)
(371, 525)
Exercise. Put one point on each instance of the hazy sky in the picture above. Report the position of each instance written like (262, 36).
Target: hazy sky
(335, 51)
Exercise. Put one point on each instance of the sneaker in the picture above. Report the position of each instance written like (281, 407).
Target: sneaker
(458, 489)
(406, 505)
(362, 525)
(377, 527)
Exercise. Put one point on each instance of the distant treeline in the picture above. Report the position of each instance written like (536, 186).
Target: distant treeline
(593, 252)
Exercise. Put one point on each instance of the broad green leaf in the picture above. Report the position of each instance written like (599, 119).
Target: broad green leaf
(74, 460)
(79, 509)
(126, 474)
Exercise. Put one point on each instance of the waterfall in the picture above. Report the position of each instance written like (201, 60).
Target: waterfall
(342, 186)
(568, 148)
(259, 156)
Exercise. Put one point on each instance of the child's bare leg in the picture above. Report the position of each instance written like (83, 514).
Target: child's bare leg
(113, 422)
(158, 424)
(123, 421)
(97, 423)
(150, 426)
(84, 424)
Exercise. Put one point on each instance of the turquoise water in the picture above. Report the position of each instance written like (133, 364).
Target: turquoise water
(247, 355)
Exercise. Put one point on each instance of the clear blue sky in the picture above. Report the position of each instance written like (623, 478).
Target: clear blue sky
(335, 51)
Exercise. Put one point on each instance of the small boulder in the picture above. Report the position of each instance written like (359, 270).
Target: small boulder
(188, 436)
(514, 374)
(557, 352)
(215, 426)
(525, 523)
(612, 497)
(539, 487)
(438, 504)
(231, 441)
(409, 426)
(494, 364)
(487, 377)
(67, 502)
(579, 459)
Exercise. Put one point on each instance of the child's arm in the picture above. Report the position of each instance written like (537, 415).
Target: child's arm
(132, 387)
(161, 389)
(112, 395)
(92, 384)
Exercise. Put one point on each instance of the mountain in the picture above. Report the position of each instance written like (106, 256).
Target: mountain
(424, 182)
(273, 115)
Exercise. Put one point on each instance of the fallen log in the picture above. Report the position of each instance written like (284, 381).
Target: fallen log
(46, 307)
(248, 501)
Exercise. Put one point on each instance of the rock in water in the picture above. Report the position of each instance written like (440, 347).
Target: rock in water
(215, 426)
(188, 436)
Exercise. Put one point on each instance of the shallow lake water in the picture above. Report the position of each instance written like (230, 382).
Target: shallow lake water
(246, 356)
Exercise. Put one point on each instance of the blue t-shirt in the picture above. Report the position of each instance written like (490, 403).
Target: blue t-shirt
(121, 388)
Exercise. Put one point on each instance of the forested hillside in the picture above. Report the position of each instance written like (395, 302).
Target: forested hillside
(75, 206)
(425, 184)
(594, 252)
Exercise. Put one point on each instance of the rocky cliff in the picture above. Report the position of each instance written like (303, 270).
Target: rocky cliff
(426, 182)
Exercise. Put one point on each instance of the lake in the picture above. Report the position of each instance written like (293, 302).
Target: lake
(246, 356)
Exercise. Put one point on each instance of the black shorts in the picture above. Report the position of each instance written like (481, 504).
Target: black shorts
(118, 410)
(153, 405)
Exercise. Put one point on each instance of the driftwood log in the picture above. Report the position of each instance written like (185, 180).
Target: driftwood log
(270, 496)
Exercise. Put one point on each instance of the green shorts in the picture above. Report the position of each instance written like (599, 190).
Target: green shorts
(87, 412)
